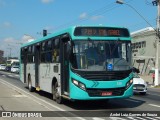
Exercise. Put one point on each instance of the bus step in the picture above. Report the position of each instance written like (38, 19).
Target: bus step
(38, 89)
(66, 97)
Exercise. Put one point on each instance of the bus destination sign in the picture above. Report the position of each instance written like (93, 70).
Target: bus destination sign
(101, 31)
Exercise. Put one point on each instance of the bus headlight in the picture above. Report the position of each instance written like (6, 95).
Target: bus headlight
(129, 83)
(79, 84)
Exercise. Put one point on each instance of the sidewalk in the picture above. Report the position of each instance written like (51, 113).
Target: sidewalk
(13, 100)
(148, 79)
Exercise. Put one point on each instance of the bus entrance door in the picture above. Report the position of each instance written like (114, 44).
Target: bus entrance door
(65, 65)
(37, 62)
(25, 65)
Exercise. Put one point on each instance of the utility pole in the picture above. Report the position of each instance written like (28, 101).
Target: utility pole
(157, 3)
(10, 49)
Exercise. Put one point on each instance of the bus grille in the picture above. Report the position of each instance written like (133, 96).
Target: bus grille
(103, 75)
(98, 92)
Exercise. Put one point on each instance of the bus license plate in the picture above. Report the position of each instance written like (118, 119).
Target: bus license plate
(106, 93)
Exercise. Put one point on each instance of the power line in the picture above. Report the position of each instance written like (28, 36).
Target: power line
(140, 23)
(148, 3)
(80, 20)
(97, 12)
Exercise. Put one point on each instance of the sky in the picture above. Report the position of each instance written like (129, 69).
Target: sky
(21, 20)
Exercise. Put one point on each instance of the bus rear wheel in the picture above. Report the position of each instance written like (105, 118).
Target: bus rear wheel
(56, 95)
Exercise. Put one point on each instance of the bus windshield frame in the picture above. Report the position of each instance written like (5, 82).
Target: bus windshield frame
(101, 55)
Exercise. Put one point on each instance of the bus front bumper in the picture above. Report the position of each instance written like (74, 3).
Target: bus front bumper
(97, 94)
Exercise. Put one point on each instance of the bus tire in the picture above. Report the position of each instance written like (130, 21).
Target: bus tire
(56, 95)
(30, 84)
(53, 92)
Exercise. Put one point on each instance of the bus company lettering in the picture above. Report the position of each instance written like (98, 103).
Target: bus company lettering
(130, 114)
(138, 45)
(126, 114)
(26, 114)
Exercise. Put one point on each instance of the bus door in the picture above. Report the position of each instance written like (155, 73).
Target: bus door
(25, 64)
(65, 46)
(37, 63)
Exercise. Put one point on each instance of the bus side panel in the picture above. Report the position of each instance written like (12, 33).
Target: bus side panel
(31, 72)
(22, 72)
(48, 71)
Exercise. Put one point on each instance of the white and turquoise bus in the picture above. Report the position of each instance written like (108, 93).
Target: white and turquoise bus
(80, 63)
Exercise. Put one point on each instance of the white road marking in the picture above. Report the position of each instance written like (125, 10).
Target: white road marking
(132, 100)
(140, 118)
(4, 75)
(7, 73)
(19, 96)
(154, 105)
(132, 118)
(16, 75)
(96, 118)
(157, 117)
(10, 75)
(38, 99)
(153, 94)
(117, 118)
(150, 118)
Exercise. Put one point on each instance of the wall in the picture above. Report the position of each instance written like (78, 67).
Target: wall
(143, 51)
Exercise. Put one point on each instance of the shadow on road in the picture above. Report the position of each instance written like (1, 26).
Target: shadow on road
(113, 104)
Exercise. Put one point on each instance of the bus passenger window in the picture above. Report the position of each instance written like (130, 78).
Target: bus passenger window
(43, 46)
(43, 57)
(48, 57)
(55, 55)
(49, 45)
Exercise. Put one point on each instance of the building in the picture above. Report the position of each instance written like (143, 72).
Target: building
(1, 56)
(144, 50)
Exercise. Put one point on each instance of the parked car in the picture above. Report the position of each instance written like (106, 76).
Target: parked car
(8, 68)
(2, 66)
(139, 85)
(15, 69)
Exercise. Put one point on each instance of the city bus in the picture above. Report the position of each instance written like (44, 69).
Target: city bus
(10, 63)
(80, 63)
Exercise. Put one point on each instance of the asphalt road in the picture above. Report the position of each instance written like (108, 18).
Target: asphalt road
(14, 96)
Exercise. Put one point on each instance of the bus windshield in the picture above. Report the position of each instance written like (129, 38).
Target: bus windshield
(93, 55)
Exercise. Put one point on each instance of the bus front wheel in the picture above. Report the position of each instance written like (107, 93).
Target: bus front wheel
(56, 95)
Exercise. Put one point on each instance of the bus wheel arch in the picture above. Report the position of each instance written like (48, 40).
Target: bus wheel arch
(30, 83)
(55, 92)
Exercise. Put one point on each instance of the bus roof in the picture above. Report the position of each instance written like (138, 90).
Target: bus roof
(70, 30)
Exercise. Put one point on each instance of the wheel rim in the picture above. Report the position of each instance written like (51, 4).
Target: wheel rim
(56, 92)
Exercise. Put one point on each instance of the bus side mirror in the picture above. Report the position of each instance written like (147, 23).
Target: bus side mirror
(136, 70)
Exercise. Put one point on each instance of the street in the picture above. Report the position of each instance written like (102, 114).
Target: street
(14, 96)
